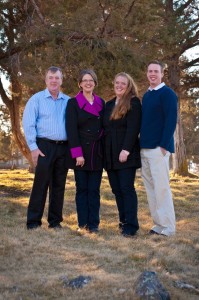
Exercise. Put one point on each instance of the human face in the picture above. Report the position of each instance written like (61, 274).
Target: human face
(120, 86)
(154, 75)
(53, 82)
(87, 84)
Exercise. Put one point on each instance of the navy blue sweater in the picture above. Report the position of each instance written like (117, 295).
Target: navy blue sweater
(159, 117)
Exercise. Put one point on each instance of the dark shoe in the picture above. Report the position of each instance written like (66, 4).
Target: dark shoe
(127, 233)
(152, 232)
(94, 230)
(57, 226)
(120, 225)
(33, 226)
(128, 230)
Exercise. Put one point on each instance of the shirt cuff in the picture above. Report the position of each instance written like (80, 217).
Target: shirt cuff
(76, 152)
(33, 146)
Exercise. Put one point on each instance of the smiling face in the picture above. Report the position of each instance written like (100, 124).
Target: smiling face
(120, 86)
(87, 83)
(154, 75)
(53, 82)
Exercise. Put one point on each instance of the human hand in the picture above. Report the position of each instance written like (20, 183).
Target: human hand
(35, 154)
(80, 161)
(164, 151)
(123, 156)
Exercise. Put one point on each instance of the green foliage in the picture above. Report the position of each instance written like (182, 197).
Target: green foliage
(109, 36)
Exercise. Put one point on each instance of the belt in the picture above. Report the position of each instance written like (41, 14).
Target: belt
(53, 141)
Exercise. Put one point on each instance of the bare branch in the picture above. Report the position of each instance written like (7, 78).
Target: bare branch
(184, 6)
(130, 9)
(191, 63)
(18, 49)
(4, 97)
(106, 16)
(192, 22)
(190, 43)
(38, 12)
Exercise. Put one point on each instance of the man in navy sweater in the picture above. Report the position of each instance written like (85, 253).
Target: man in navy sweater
(159, 117)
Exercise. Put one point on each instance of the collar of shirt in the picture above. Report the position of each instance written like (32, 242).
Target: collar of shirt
(48, 94)
(83, 103)
(159, 86)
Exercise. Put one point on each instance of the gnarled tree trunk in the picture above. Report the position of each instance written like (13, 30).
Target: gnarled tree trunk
(13, 106)
(180, 165)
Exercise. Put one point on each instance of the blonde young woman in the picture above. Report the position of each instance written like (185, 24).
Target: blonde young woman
(122, 121)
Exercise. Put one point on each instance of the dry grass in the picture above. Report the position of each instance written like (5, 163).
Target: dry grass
(33, 263)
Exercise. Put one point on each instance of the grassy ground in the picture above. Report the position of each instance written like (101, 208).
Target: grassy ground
(33, 264)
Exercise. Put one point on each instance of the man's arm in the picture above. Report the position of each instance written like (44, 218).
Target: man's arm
(29, 125)
(29, 120)
(170, 111)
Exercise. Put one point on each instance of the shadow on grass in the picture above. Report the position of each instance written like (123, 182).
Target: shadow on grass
(7, 191)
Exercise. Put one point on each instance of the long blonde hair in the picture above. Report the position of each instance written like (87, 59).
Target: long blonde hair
(124, 105)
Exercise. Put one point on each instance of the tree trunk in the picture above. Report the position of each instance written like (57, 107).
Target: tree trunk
(17, 134)
(180, 165)
(14, 110)
(179, 158)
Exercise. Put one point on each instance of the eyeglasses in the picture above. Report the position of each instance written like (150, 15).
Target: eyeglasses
(88, 80)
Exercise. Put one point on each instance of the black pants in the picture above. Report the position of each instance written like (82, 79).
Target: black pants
(122, 185)
(50, 173)
(88, 197)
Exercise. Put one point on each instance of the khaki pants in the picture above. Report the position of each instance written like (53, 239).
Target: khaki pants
(155, 174)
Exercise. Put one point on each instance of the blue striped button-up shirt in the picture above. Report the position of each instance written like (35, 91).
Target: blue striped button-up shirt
(44, 117)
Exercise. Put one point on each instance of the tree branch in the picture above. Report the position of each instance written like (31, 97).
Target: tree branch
(18, 49)
(191, 22)
(38, 11)
(191, 63)
(183, 7)
(190, 43)
(130, 9)
(105, 16)
(4, 97)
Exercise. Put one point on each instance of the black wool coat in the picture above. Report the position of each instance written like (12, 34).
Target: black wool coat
(84, 131)
(122, 134)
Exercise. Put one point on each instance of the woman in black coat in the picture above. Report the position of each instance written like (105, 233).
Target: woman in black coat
(122, 121)
(84, 130)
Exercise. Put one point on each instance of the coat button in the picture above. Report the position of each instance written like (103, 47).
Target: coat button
(88, 130)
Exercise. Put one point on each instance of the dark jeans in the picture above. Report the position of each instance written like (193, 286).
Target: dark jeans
(50, 173)
(88, 197)
(122, 185)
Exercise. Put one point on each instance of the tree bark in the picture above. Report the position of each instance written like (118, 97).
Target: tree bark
(17, 133)
(180, 165)
(13, 106)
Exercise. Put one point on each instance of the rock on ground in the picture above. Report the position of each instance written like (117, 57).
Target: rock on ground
(149, 287)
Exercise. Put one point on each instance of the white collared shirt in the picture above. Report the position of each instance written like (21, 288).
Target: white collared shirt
(159, 86)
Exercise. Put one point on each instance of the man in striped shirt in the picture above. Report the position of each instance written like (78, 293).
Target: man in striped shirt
(44, 129)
